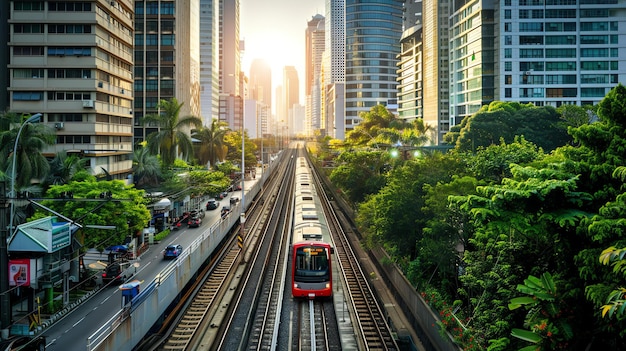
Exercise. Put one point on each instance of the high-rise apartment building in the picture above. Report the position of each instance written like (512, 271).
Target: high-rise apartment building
(231, 98)
(545, 52)
(166, 39)
(260, 81)
(72, 62)
(334, 70)
(423, 71)
(373, 32)
(314, 49)
(291, 93)
(209, 60)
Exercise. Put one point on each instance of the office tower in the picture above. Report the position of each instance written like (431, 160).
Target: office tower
(291, 93)
(167, 59)
(373, 32)
(541, 52)
(314, 49)
(70, 63)
(334, 69)
(209, 60)
(231, 100)
(261, 81)
(423, 71)
(5, 7)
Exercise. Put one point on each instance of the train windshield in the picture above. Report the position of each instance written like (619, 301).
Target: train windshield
(312, 263)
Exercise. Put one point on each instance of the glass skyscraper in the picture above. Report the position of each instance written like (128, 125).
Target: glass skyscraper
(373, 32)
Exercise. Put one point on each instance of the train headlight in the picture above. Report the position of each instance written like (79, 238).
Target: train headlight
(295, 285)
(327, 285)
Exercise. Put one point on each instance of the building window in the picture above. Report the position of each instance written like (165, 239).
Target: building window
(508, 53)
(27, 95)
(27, 28)
(167, 39)
(69, 6)
(28, 51)
(69, 51)
(28, 73)
(28, 5)
(168, 8)
(69, 28)
(594, 26)
(531, 53)
(560, 53)
(508, 92)
(561, 92)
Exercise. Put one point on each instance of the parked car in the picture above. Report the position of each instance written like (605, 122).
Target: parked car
(238, 186)
(223, 195)
(234, 200)
(212, 204)
(172, 251)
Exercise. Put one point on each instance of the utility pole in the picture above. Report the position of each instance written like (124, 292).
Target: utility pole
(5, 297)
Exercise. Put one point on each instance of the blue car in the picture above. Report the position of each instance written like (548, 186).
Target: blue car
(172, 251)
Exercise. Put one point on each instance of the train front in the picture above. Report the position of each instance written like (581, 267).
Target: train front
(311, 270)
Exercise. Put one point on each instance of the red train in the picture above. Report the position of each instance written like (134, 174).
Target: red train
(311, 272)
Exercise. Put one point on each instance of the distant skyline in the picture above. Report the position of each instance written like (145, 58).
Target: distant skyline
(274, 30)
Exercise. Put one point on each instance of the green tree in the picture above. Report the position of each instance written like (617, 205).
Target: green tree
(172, 139)
(366, 132)
(506, 120)
(207, 182)
(146, 167)
(393, 217)
(110, 203)
(493, 163)
(233, 141)
(63, 167)
(211, 147)
(360, 173)
(30, 162)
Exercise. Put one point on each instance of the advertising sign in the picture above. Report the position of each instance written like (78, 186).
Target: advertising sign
(19, 272)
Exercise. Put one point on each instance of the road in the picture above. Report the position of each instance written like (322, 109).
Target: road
(71, 332)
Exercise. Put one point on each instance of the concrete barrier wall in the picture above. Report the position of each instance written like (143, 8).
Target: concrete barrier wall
(128, 327)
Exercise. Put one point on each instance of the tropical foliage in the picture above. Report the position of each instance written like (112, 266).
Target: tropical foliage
(530, 201)
(172, 139)
(211, 147)
(30, 163)
(104, 203)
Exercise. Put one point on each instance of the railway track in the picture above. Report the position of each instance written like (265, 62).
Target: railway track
(373, 330)
(311, 327)
(204, 300)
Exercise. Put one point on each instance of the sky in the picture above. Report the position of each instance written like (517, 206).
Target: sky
(274, 30)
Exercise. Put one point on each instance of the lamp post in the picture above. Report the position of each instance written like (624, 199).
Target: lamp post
(5, 298)
(30, 120)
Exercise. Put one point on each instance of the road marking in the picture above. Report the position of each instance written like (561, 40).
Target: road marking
(80, 320)
(51, 342)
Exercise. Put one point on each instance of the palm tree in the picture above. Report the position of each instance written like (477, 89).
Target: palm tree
(212, 146)
(146, 167)
(30, 163)
(171, 139)
(63, 167)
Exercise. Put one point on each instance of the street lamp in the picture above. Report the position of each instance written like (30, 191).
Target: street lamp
(5, 298)
(31, 119)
